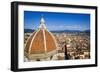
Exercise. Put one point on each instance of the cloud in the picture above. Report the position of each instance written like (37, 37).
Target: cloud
(66, 27)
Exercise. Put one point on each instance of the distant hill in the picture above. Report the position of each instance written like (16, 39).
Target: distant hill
(29, 30)
(87, 31)
(60, 31)
(66, 31)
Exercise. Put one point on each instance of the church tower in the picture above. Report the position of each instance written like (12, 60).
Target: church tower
(41, 45)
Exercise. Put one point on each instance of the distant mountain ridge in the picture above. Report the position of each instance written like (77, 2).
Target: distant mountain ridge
(58, 31)
(71, 31)
(29, 30)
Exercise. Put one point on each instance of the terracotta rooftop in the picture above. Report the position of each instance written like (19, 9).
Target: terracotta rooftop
(41, 41)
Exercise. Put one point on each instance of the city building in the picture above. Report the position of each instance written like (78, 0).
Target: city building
(41, 45)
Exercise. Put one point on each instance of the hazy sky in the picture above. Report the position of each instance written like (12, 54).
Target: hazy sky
(57, 21)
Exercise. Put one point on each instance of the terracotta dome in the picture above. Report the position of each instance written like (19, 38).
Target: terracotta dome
(41, 44)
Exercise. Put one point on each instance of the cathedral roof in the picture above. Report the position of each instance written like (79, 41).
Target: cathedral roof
(41, 41)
